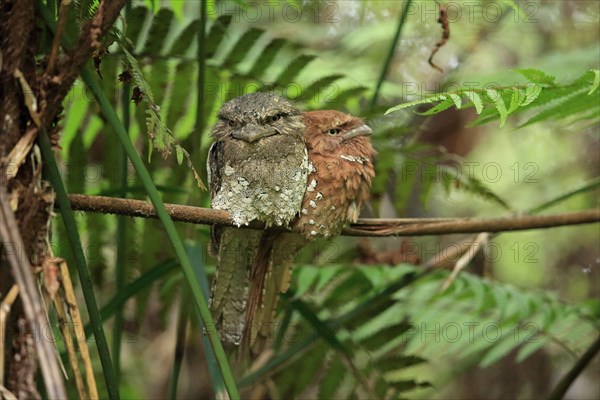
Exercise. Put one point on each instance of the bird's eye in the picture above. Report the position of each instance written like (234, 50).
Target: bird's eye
(230, 123)
(274, 118)
(333, 131)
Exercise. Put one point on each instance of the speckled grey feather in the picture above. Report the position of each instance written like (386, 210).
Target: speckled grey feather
(264, 180)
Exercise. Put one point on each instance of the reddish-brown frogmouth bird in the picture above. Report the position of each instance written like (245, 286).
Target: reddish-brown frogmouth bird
(339, 182)
(258, 168)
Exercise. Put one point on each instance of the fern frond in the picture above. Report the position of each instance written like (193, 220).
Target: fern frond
(537, 76)
(159, 30)
(499, 102)
(86, 8)
(470, 184)
(160, 135)
(476, 321)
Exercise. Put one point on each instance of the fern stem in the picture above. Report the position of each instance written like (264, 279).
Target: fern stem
(594, 183)
(283, 326)
(184, 311)
(564, 384)
(195, 254)
(120, 265)
(169, 226)
(201, 59)
(80, 262)
(390, 56)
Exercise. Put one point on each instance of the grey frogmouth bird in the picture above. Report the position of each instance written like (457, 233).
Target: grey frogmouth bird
(257, 170)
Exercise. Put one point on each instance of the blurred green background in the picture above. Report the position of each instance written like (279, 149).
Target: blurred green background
(510, 326)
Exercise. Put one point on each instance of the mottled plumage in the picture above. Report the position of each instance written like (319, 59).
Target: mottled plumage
(257, 167)
(341, 159)
(341, 171)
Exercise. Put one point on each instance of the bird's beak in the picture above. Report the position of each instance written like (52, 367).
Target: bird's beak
(362, 130)
(253, 133)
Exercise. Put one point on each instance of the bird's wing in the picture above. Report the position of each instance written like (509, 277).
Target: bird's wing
(213, 169)
(235, 250)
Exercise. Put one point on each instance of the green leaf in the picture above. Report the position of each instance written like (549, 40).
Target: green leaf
(266, 58)
(540, 91)
(501, 299)
(516, 100)
(537, 76)
(177, 7)
(395, 362)
(179, 152)
(573, 105)
(476, 100)
(135, 23)
(499, 350)
(479, 291)
(591, 309)
(161, 25)
(216, 34)
(184, 40)
(318, 86)
(306, 277)
(88, 8)
(456, 99)
(407, 385)
(470, 184)
(531, 93)
(181, 93)
(500, 106)
(159, 79)
(426, 100)
(243, 46)
(332, 379)
(151, 4)
(321, 328)
(340, 98)
(596, 81)
(444, 105)
(288, 75)
(529, 348)
(326, 274)
(373, 339)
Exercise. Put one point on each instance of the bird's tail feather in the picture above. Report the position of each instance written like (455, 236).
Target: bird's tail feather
(236, 253)
(274, 273)
(260, 276)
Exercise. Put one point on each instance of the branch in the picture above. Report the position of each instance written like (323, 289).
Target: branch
(364, 227)
(60, 27)
(57, 87)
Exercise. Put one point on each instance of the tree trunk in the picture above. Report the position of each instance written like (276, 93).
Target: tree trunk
(28, 196)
